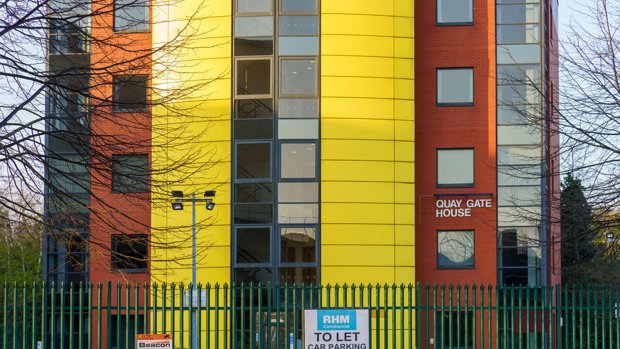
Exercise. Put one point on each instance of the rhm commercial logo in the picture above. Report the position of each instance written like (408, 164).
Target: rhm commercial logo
(340, 320)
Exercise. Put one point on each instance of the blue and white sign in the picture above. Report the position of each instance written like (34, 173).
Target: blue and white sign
(336, 329)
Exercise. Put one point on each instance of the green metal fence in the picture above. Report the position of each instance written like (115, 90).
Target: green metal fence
(265, 316)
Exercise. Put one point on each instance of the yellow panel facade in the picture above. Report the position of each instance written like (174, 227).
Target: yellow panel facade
(191, 140)
(367, 142)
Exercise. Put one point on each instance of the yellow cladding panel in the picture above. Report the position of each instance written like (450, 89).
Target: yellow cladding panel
(357, 255)
(404, 110)
(404, 275)
(374, 192)
(357, 171)
(353, 24)
(362, 234)
(404, 234)
(356, 149)
(191, 139)
(357, 213)
(365, 87)
(358, 129)
(404, 193)
(358, 275)
(371, 46)
(367, 141)
(403, 68)
(404, 256)
(370, 7)
(357, 108)
(379, 67)
(403, 130)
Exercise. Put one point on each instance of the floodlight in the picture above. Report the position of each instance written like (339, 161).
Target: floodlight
(177, 206)
(210, 206)
(177, 194)
(209, 193)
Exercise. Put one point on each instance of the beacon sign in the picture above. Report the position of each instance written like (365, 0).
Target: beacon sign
(336, 329)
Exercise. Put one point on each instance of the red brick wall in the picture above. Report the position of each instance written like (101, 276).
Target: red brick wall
(115, 133)
(455, 127)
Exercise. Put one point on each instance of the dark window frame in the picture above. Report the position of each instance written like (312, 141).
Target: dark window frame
(455, 185)
(455, 104)
(237, 264)
(317, 6)
(235, 81)
(119, 106)
(317, 78)
(317, 247)
(129, 240)
(237, 13)
(452, 24)
(147, 20)
(443, 267)
(121, 188)
(317, 160)
(268, 179)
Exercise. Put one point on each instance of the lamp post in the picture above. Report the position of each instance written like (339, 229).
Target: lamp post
(177, 205)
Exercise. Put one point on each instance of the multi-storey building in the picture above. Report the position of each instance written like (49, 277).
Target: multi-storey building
(487, 154)
(300, 115)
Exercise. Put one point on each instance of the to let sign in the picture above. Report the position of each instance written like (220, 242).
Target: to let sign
(154, 341)
(336, 329)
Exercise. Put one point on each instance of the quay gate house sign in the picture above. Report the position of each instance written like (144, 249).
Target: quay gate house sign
(447, 208)
(336, 329)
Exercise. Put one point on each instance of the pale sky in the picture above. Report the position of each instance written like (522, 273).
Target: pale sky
(567, 12)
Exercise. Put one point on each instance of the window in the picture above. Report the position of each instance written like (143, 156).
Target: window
(131, 15)
(253, 46)
(455, 329)
(253, 6)
(518, 13)
(518, 34)
(254, 192)
(455, 167)
(67, 37)
(298, 6)
(298, 160)
(118, 339)
(298, 192)
(254, 108)
(253, 77)
(253, 161)
(130, 252)
(130, 93)
(299, 77)
(298, 46)
(455, 86)
(298, 108)
(130, 173)
(454, 12)
(67, 109)
(253, 246)
(298, 245)
(253, 26)
(298, 25)
(455, 249)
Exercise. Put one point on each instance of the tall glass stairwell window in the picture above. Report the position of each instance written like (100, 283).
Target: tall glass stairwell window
(520, 144)
(67, 109)
(275, 141)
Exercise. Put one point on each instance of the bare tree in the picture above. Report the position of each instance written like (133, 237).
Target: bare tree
(66, 129)
(590, 113)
